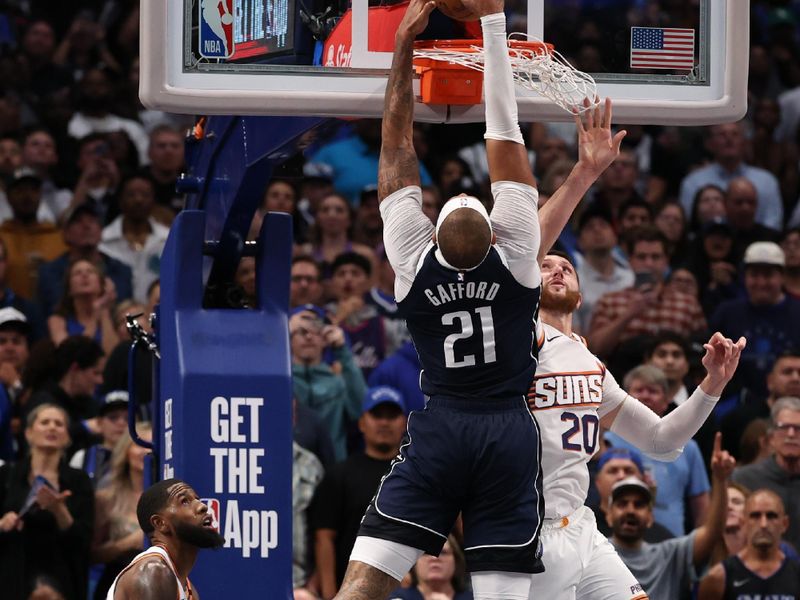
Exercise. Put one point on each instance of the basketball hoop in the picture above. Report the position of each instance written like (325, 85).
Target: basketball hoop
(446, 69)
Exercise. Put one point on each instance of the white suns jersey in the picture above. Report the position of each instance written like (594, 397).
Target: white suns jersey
(570, 393)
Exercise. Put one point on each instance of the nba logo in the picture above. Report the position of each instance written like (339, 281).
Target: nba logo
(213, 510)
(216, 28)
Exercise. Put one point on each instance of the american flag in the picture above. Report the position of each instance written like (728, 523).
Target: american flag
(662, 48)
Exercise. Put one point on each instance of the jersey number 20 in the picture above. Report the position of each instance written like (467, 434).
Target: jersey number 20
(588, 425)
(465, 320)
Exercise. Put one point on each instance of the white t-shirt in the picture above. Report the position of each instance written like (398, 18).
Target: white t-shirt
(571, 391)
(407, 232)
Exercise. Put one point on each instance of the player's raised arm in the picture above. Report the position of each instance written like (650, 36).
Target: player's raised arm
(398, 167)
(597, 149)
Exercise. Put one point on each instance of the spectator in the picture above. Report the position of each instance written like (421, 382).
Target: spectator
(684, 281)
(28, 240)
(82, 232)
(741, 201)
(401, 371)
(10, 156)
(647, 307)
(713, 261)
(600, 271)
(84, 46)
(245, 279)
(733, 536)
(112, 423)
(760, 569)
(754, 442)
(85, 307)
(368, 223)
(671, 222)
(9, 299)
(281, 196)
(708, 205)
(166, 153)
(333, 393)
(77, 367)
(613, 466)
(767, 317)
(99, 177)
(316, 185)
(305, 285)
(46, 524)
(14, 329)
(670, 354)
(665, 569)
(782, 380)
(38, 47)
(617, 185)
(780, 471)
(117, 535)
(135, 238)
(431, 202)
(440, 577)
(353, 160)
(347, 489)
(726, 143)
(683, 481)
(634, 214)
(312, 434)
(40, 155)
(307, 473)
(372, 337)
(790, 244)
(95, 95)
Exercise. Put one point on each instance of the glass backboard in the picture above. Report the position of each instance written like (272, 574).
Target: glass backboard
(662, 61)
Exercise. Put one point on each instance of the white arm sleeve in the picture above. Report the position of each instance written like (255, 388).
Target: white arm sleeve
(663, 438)
(613, 394)
(515, 221)
(406, 234)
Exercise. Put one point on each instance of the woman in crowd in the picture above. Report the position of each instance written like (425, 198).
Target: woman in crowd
(438, 578)
(117, 535)
(85, 308)
(709, 204)
(671, 221)
(46, 509)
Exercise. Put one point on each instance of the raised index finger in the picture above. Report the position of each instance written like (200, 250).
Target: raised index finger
(718, 442)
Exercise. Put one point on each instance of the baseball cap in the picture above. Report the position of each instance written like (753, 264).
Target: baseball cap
(11, 318)
(25, 175)
(382, 394)
(320, 312)
(318, 171)
(623, 453)
(113, 400)
(631, 484)
(764, 253)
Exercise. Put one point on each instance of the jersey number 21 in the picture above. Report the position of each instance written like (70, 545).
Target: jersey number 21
(467, 323)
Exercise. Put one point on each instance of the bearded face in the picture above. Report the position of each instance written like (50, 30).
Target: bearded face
(560, 288)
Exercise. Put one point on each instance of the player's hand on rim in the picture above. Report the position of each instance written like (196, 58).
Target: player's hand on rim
(597, 147)
(416, 18)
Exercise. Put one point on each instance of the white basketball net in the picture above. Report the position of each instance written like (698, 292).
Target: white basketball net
(541, 70)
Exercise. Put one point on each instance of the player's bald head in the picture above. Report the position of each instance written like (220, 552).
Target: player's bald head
(464, 232)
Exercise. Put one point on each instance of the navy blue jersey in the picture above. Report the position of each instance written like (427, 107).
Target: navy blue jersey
(473, 330)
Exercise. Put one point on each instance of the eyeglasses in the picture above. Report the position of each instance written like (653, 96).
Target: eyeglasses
(786, 427)
(302, 331)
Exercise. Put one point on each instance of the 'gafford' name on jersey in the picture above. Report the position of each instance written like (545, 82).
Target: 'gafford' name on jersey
(479, 290)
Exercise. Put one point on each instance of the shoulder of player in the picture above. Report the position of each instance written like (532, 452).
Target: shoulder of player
(148, 578)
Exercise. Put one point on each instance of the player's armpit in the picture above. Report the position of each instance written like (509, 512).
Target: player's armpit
(397, 169)
(148, 580)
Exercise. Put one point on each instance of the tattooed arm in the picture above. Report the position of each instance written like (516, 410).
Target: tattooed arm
(398, 167)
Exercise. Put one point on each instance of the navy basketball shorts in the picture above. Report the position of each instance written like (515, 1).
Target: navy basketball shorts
(477, 458)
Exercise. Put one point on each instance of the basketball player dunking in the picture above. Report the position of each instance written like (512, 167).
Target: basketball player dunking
(178, 525)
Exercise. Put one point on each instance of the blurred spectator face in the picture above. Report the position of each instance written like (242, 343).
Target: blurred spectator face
(551, 150)
(39, 151)
(633, 217)
(736, 500)
(760, 62)
(279, 197)
(84, 279)
(113, 424)
(436, 572)
(96, 93)
(83, 232)
(333, 215)
(615, 469)
(349, 280)
(622, 173)
(91, 152)
(13, 348)
(767, 114)
(726, 142)
(791, 248)
(24, 199)
(597, 235)
(137, 199)
(307, 341)
(650, 394)
(85, 381)
(452, 171)
(786, 435)
(717, 245)
(765, 520)
(49, 430)
(10, 156)
(670, 358)
(784, 378)
(560, 288)
(246, 276)
(684, 281)
(368, 215)
(630, 515)
(670, 222)
(166, 151)
(39, 41)
(383, 427)
(431, 204)
(710, 205)
(764, 284)
(649, 257)
(305, 284)
(741, 202)
(43, 591)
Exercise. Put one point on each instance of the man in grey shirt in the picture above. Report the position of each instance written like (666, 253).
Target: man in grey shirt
(665, 570)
